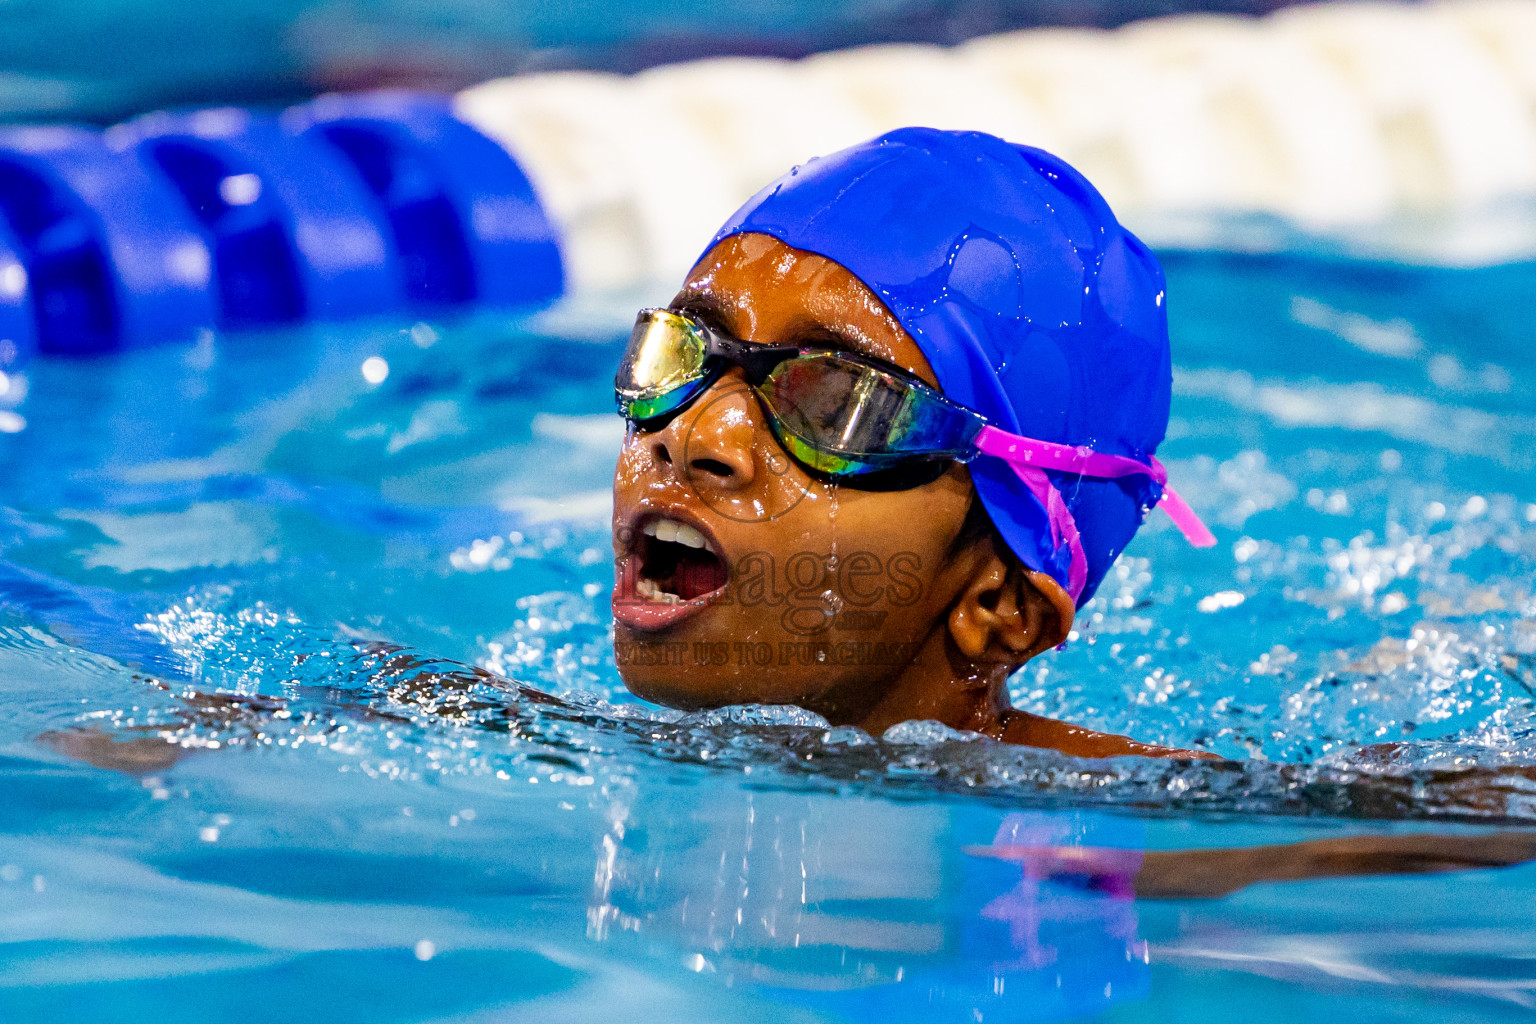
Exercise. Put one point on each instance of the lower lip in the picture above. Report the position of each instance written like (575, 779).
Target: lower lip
(634, 611)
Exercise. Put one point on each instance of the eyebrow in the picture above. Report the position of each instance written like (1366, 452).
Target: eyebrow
(810, 333)
(702, 305)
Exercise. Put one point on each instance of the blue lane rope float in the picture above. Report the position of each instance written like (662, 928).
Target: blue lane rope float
(464, 216)
(174, 223)
(111, 256)
(294, 232)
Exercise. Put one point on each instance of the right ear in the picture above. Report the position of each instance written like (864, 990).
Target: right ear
(1007, 614)
(1062, 608)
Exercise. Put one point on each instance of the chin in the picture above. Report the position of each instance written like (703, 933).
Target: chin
(666, 690)
(693, 687)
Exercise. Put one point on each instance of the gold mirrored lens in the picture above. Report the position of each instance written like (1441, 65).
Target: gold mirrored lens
(665, 352)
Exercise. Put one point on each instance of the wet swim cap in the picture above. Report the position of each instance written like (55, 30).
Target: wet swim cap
(1033, 305)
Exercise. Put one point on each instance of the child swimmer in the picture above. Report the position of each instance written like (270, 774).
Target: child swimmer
(889, 436)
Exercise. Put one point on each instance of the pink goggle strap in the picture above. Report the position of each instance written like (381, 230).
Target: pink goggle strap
(1030, 458)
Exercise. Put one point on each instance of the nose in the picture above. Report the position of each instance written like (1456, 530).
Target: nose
(711, 443)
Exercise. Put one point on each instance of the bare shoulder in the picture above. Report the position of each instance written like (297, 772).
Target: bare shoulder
(1029, 730)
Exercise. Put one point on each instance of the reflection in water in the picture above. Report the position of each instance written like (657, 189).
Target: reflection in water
(900, 911)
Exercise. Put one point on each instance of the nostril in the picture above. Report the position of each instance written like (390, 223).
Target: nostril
(662, 455)
(714, 467)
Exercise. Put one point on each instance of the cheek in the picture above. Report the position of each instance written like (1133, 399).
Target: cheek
(923, 521)
(633, 460)
(890, 550)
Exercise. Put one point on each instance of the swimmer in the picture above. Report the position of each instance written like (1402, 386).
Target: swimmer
(888, 438)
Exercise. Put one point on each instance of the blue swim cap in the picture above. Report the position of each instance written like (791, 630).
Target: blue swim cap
(1033, 305)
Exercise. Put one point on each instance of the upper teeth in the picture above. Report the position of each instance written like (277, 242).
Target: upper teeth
(672, 530)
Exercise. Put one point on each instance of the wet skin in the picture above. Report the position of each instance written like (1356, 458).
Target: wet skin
(795, 570)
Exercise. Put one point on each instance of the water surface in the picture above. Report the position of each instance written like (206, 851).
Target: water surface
(226, 568)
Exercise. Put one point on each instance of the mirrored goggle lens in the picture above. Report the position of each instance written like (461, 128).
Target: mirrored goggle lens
(844, 417)
(666, 355)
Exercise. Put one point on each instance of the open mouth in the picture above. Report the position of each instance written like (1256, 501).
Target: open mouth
(676, 563)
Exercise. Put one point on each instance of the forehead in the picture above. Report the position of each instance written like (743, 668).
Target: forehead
(757, 288)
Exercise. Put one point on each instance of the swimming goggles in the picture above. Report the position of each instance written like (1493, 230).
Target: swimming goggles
(861, 422)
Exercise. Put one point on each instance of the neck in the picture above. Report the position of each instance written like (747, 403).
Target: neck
(941, 684)
(938, 684)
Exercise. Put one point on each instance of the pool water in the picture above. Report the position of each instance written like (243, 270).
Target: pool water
(229, 796)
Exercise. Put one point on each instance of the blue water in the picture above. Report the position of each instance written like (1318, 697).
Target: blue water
(230, 796)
